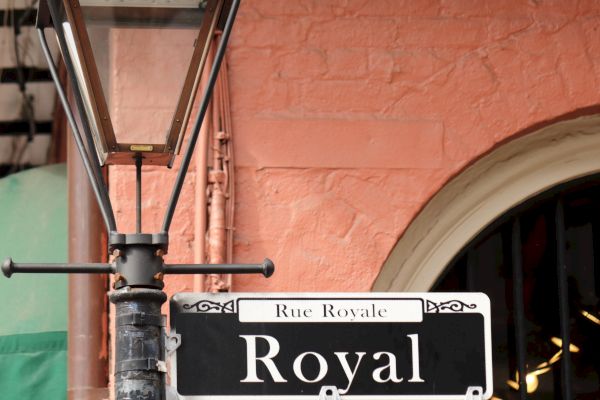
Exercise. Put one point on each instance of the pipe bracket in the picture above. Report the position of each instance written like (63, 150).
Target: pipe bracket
(172, 342)
(140, 319)
(144, 364)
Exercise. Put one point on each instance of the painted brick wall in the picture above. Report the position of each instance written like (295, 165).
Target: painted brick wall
(350, 114)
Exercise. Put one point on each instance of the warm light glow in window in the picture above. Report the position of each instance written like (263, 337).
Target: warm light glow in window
(558, 342)
(591, 317)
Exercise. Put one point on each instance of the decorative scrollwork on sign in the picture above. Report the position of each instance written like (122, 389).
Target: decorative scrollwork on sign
(205, 306)
(451, 305)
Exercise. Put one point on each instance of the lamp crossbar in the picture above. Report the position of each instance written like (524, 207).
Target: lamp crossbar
(9, 267)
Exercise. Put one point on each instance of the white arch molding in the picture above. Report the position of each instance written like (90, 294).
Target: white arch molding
(506, 177)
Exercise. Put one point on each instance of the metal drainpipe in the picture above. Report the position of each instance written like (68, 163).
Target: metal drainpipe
(216, 254)
(201, 208)
(88, 319)
(221, 181)
(201, 198)
(229, 168)
(216, 224)
(219, 184)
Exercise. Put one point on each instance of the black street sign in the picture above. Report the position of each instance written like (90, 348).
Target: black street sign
(367, 345)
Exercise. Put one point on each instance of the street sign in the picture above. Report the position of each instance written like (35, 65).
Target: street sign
(383, 346)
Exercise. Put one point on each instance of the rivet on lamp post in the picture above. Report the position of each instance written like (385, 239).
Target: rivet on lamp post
(138, 266)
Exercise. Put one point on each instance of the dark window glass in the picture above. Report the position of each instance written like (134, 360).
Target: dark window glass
(485, 265)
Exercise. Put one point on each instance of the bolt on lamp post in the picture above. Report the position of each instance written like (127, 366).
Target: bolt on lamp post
(138, 266)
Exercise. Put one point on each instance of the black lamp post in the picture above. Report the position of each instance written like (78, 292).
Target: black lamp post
(138, 267)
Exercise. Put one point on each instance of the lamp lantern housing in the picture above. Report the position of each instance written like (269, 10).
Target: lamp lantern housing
(85, 30)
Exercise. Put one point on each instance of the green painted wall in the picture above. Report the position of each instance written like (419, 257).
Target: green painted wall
(33, 308)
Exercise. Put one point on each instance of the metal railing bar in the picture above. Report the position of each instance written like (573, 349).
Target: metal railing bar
(563, 300)
(518, 306)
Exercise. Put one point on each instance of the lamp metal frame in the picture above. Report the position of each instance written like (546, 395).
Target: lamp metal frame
(138, 264)
(85, 76)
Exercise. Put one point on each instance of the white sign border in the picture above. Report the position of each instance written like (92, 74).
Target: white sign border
(461, 302)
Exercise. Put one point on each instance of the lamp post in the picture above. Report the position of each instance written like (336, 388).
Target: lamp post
(138, 266)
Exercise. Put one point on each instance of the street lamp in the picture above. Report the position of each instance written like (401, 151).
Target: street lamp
(138, 266)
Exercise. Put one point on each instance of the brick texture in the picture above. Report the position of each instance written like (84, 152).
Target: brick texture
(350, 114)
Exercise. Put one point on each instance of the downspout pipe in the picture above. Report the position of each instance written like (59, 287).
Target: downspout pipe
(87, 356)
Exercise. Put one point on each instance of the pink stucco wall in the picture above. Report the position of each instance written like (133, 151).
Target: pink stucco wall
(350, 114)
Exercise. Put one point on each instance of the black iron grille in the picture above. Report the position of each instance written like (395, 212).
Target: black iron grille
(540, 266)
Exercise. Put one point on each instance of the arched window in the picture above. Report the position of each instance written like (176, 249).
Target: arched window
(540, 265)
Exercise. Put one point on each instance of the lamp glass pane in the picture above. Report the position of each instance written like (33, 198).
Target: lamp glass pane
(84, 87)
(143, 50)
